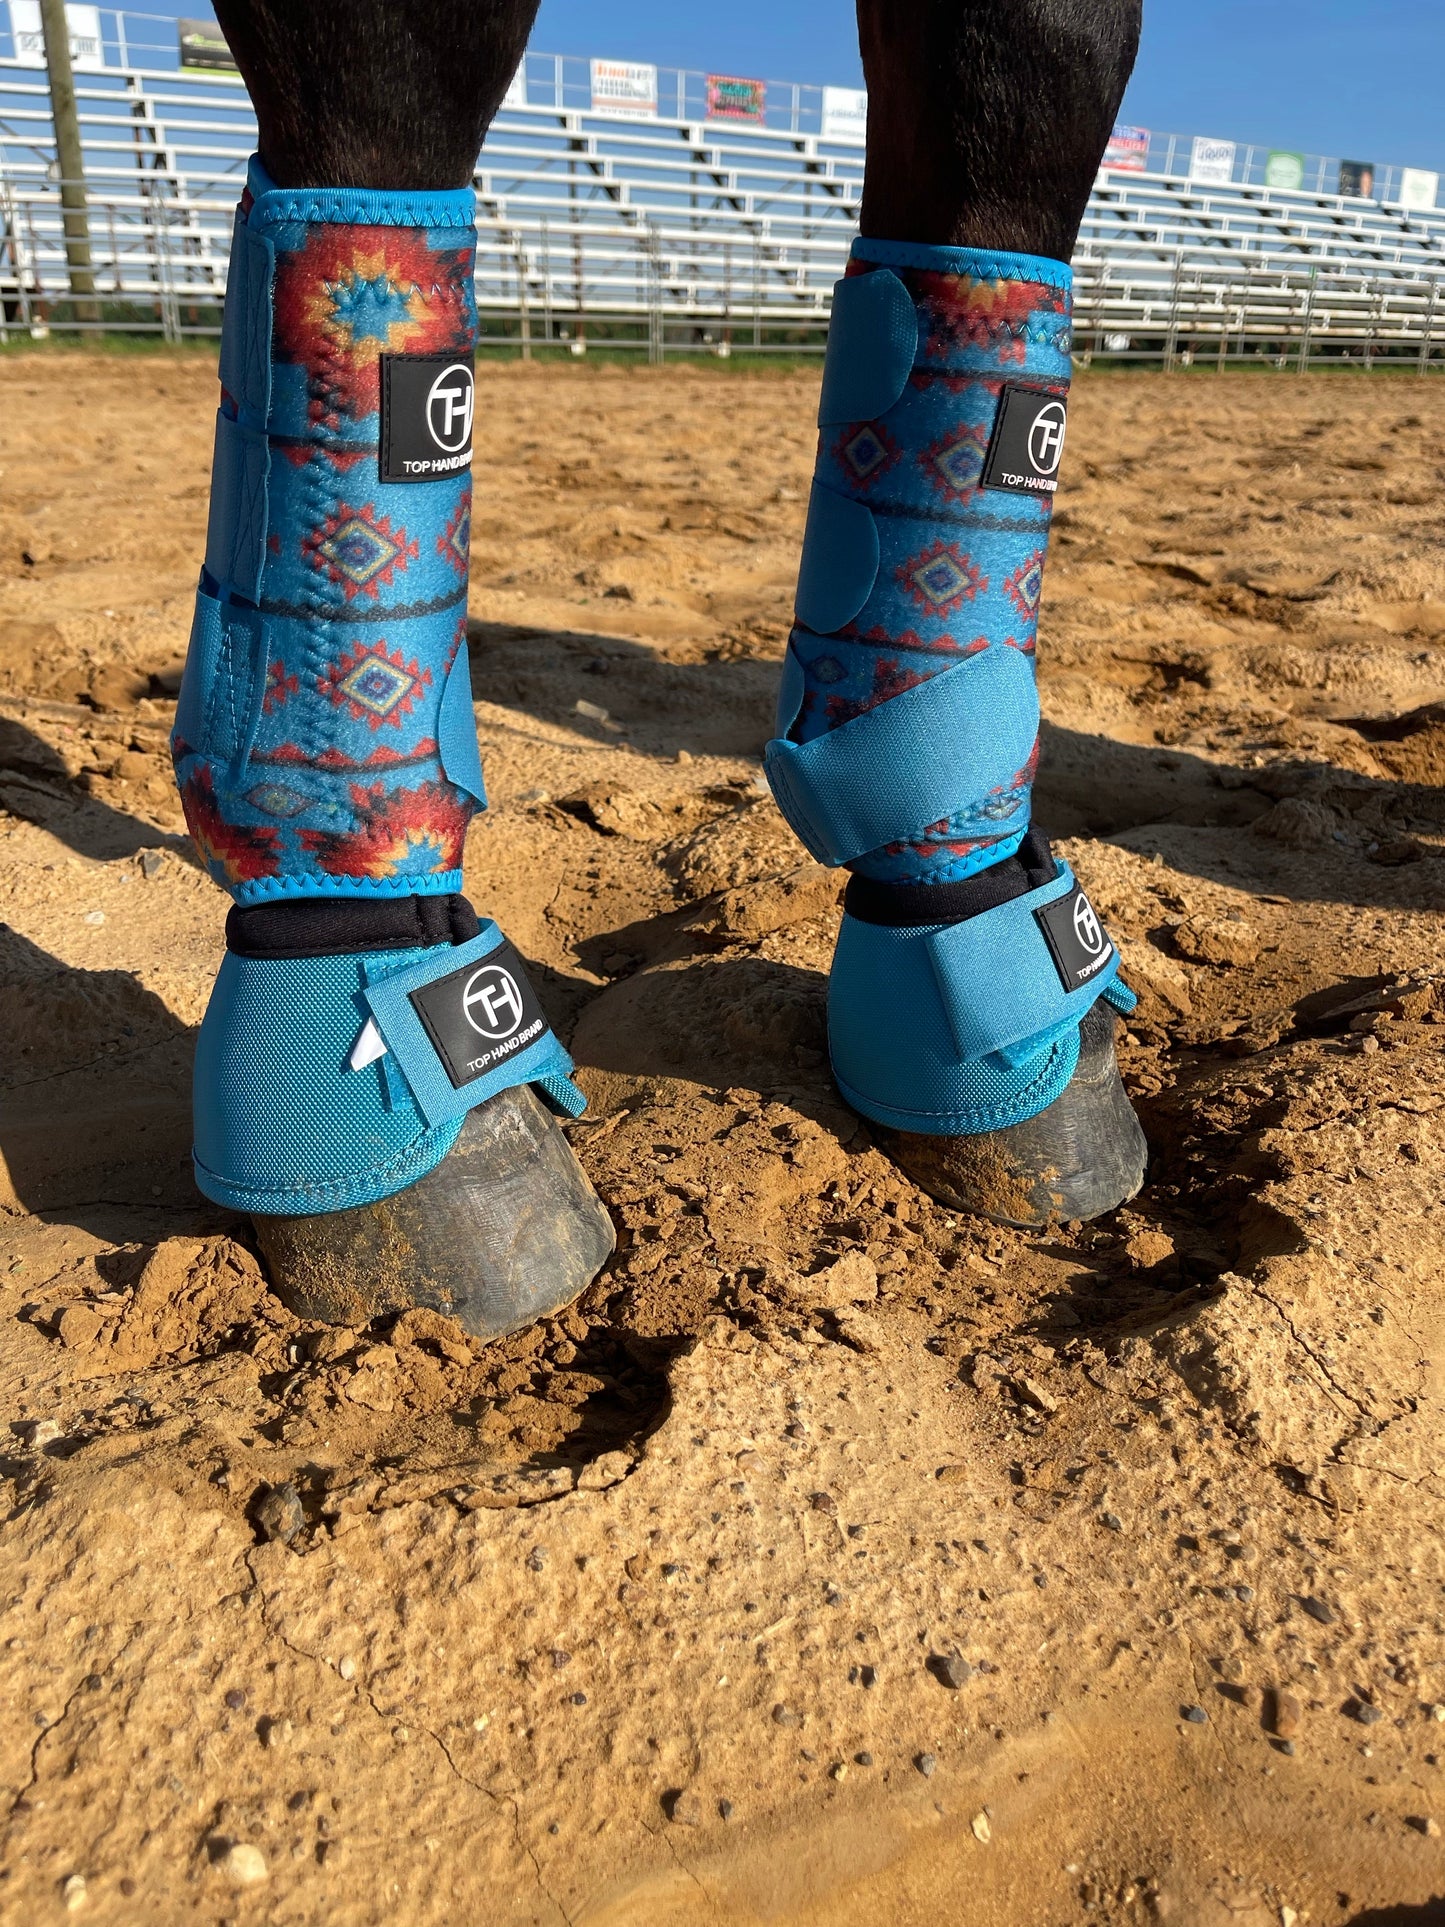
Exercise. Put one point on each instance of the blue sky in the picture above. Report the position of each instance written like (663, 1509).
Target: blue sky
(1361, 78)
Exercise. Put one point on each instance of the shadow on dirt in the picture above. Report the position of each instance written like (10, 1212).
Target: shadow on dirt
(1353, 831)
(1429, 1913)
(36, 786)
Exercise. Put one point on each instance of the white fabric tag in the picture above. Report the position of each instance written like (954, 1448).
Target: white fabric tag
(368, 1047)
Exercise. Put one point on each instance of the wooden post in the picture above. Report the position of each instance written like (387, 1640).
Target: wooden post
(69, 159)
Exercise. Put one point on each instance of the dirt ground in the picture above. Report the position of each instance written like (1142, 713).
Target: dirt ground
(836, 1559)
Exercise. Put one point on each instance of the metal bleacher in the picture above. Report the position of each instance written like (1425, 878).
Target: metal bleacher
(675, 233)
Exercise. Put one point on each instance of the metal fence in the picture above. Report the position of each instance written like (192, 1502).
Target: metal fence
(673, 235)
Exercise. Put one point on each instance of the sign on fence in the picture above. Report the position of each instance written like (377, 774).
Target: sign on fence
(729, 98)
(624, 87)
(1419, 187)
(845, 113)
(204, 45)
(87, 49)
(1284, 169)
(1357, 179)
(516, 94)
(1128, 149)
(1211, 161)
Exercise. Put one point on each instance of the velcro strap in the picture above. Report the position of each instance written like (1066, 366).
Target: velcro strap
(236, 532)
(839, 563)
(872, 346)
(1022, 970)
(943, 746)
(246, 329)
(465, 1023)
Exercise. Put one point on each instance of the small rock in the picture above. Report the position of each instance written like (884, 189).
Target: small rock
(1395, 850)
(1423, 1823)
(78, 1326)
(347, 1668)
(152, 862)
(1285, 1714)
(40, 1432)
(1365, 1713)
(863, 1759)
(1195, 1715)
(1298, 824)
(1111, 1522)
(857, 1329)
(74, 1893)
(950, 1669)
(981, 1829)
(839, 1771)
(725, 1809)
(607, 1469)
(1145, 1249)
(684, 756)
(851, 1280)
(1437, 1711)
(1216, 940)
(560, 1658)
(683, 1808)
(823, 1502)
(786, 1715)
(235, 1697)
(1317, 1609)
(925, 1763)
(243, 1864)
(536, 1559)
(95, 918)
(1032, 1393)
(279, 1514)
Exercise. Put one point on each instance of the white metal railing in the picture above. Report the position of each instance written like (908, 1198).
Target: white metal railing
(674, 234)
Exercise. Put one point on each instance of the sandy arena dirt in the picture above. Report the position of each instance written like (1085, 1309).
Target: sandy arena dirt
(835, 1560)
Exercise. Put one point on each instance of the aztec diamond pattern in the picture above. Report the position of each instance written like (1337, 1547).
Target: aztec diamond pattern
(357, 549)
(377, 685)
(942, 579)
(454, 542)
(1025, 587)
(954, 465)
(867, 452)
(961, 565)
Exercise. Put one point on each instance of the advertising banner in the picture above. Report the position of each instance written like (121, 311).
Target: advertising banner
(1419, 187)
(87, 49)
(516, 94)
(1211, 161)
(624, 87)
(729, 98)
(204, 45)
(845, 113)
(1284, 169)
(1128, 149)
(1357, 180)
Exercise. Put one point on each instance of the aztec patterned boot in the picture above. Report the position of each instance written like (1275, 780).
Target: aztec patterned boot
(969, 1006)
(375, 1081)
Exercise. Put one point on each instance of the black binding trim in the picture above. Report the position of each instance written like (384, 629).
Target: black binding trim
(909, 906)
(336, 926)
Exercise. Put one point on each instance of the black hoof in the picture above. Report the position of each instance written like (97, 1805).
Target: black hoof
(506, 1230)
(1078, 1159)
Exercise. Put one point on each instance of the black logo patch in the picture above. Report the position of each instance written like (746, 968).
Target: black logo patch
(1078, 942)
(1028, 442)
(427, 405)
(480, 1015)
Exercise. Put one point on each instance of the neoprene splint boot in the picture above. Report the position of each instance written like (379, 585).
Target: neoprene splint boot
(971, 999)
(375, 1080)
